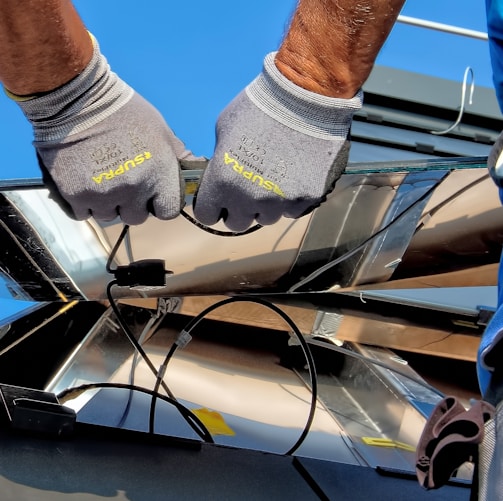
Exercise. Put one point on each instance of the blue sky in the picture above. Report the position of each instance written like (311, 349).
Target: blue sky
(436, 53)
(191, 58)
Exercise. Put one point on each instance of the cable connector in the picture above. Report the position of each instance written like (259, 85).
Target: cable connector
(183, 339)
(147, 272)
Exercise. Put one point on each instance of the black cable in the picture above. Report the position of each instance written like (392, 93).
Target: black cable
(158, 381)
(109, 269)
(115, 248)
(305, 348)
(184, 411)
(116, 310)
(199, 428)
(134, 363)
(219, 233)
(191, 325)
(195, 321)
(141, 351)
(137, 346)
(127, 408)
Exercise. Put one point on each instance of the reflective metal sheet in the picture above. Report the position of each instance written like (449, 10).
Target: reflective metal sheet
(379, 218)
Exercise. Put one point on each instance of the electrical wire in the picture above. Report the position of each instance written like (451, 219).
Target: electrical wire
(201, 432)
(136, 356)
(304, 344)
(195, 321)
(219, 233)
(310, 341)
(189, 416)
(305, 348)
(127, 407)
(130, 335)
(115, 248)
(127, 331)
(199, 428)
(159, 380)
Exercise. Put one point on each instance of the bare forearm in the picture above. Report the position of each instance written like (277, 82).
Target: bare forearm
(44, 44)
(331, 45)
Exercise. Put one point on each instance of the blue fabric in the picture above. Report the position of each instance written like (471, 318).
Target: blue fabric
(492, 335)
(494, 11)
(494, 331)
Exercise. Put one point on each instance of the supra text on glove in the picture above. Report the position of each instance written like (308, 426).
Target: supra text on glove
(123, 168)
(252, 176)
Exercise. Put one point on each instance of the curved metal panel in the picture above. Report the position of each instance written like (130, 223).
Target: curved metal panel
(379, 218)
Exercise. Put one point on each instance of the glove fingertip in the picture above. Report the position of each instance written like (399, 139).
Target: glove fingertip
(238, 222)
(134, 218)
(206, 216)
(268, 219)
(81, 215)
(166, 208)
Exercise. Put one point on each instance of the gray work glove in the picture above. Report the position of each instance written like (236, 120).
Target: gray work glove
(105, 149)
(280, 149)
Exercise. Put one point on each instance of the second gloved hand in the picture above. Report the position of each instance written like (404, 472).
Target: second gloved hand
(280, 149)
(105, 149)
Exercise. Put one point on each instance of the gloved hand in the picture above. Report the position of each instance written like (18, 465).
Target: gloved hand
(106, 150)
(280, 149)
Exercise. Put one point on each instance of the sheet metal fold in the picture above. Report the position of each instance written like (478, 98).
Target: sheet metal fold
(384, 225)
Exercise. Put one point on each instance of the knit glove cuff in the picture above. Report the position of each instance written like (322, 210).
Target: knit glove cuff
(92, 96)
(312, 114)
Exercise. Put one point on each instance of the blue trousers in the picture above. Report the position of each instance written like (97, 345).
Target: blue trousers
(494, 11)
(493, 336)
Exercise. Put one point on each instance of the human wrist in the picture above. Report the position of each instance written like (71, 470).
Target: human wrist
(44, 45)
(308, 70)
(331, 45)
(91, 96)
(307, 112)
(313, 52)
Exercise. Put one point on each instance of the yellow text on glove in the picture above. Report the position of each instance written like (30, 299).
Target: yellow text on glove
(252, 176)
(123, 168)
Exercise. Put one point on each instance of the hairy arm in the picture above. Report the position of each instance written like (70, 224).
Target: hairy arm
(44, 45)
(331, 45)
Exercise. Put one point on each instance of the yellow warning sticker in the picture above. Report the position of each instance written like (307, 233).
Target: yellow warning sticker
(214, 422)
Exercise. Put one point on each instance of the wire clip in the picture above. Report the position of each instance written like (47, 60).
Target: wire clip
(183, 339)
